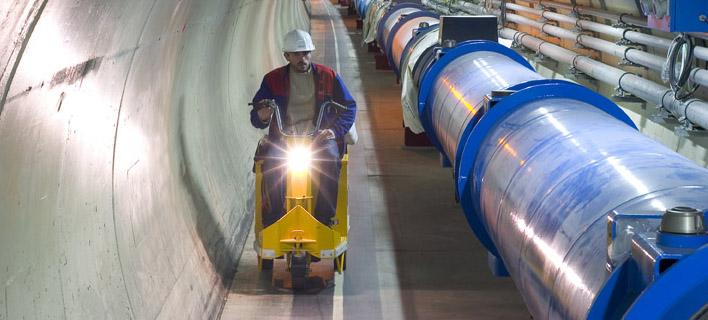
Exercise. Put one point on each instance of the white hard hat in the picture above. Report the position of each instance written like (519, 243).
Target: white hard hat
(298, 40)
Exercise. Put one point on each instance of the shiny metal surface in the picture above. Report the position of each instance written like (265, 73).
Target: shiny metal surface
(547, 174)
(415, 48)
(546, 180)
(125, 155)
(404, 35)
(459, 89)
(390, 19)
(362, 7)
(683, 220)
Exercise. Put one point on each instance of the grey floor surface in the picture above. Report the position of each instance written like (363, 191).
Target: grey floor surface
(411, 253)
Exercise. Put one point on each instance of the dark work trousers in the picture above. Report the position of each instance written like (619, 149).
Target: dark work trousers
(325, 161)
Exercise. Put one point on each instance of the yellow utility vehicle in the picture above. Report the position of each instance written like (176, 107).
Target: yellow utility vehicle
(298, 236)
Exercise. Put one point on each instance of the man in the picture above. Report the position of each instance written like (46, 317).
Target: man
(299, 89)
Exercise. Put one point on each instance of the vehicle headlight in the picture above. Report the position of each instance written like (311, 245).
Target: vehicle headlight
(299, 159)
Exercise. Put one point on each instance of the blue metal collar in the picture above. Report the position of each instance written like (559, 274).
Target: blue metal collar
(534, 90)
(421, 33)
(394, 30)
(448, 56)
(382, 22)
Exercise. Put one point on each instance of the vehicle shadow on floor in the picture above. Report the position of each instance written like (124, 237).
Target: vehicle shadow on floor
(269, 295)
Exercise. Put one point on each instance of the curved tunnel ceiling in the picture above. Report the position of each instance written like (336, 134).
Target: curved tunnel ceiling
(125, 152)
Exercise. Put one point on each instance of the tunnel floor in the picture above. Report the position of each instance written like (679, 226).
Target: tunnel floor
(411, 253)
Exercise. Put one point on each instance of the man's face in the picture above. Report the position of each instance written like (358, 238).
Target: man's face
(300, 61)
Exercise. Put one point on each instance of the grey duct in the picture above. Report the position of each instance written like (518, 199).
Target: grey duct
(618, 31)
(693, 111)
(699, 76)
(621, 17)
(615, 31)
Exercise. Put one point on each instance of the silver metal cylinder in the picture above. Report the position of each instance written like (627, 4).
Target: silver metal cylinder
(548, 172)
(551, 172)
(403, 36)
(390, 20)
(695, 111)
(458, 93)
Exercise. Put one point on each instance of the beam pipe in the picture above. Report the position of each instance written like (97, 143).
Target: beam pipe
(391, 18)
(449, 108)
(417, 55)
(403, 32)
(362, 6)
(547, 174)
(538, 184)
(538, 181)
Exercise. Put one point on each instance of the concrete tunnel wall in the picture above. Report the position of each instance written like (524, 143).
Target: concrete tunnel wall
(125, 152)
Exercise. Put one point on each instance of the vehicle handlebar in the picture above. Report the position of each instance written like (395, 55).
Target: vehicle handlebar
(276, 114)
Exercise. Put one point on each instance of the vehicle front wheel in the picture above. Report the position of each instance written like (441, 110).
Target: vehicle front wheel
(267, 264)
(298, 271)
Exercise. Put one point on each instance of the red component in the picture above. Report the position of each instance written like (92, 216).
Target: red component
(382, 62)
(411, 139)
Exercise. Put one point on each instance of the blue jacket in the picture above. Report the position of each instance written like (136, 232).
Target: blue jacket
(328, 87)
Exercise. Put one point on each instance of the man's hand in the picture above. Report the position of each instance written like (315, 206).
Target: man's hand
(324, 135)
(265, 111)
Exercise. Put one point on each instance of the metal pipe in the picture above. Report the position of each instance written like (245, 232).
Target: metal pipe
(630, 53)
(694, 111)
(621, 17)
(456, 96)
(362, 6)
(467, 7)
(391, 18)
(540, 186)
(439, 7)
(412, 62)
(549, 182)
(537, 182)
(403, 32)
(617, 32)
(470, 8)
